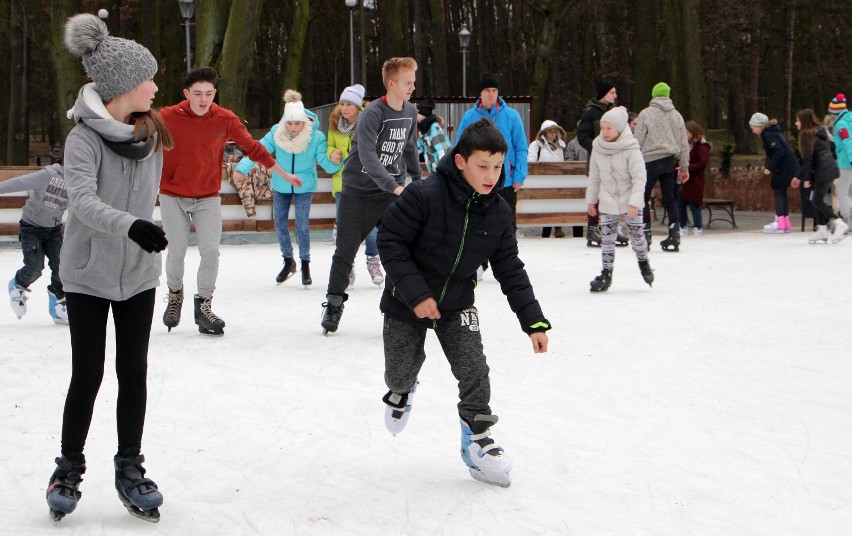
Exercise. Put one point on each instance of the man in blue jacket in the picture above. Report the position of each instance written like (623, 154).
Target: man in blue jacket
(508, 121)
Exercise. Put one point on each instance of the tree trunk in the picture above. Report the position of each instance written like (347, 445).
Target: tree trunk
(438, 44)
(647, 64)
(67, 68)
(295, 47)
(391, 16)
(17, 127)
(689, 88)
(238, 51)
(543, 60)
(211, 22)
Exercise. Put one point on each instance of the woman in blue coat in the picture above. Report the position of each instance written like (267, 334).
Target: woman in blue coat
(298, 146)
(782, 164)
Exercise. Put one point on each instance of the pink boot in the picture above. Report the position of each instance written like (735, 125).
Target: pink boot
(786, 224)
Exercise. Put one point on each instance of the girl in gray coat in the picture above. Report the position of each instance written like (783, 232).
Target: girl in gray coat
(110, 259)
(617, 185)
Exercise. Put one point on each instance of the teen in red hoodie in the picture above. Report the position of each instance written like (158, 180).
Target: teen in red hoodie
(189, 190)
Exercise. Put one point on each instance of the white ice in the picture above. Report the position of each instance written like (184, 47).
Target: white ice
(718, 402)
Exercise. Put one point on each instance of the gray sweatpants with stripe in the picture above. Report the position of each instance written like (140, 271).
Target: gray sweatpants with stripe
(462, 344)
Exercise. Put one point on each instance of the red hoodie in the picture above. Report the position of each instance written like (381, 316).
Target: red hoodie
(193, 168)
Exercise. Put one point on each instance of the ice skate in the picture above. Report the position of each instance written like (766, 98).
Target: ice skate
(774, 227)
(593, 237)
(351, 279)
(171, 317)
(18, 298)
(838, 233)
(306, 274)
(374, 268)
(485, 460)
(206, 320)
(56, 306)
(63, 490)
(332, 311)
(672, 243)
(286, 272)
(647, 273)
(697, 231)
(398, 409)
(602, 282)
(822, 234)
(138, 494)
(621, 239)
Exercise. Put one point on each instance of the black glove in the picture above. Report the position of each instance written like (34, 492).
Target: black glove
(149, 237)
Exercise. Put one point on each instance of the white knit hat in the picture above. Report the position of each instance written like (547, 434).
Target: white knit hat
(616, 117)
(353, 94)
(294, 109)
(758, 120)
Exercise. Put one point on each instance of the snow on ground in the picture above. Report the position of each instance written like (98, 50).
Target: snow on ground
(716, 403)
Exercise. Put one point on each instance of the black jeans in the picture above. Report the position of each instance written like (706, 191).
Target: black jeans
(782, 202)
(87, 316)
(662, 170)
(36, 244)
(824, 212)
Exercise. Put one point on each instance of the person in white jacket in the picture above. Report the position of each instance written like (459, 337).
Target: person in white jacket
(549, 146)
(617, 185)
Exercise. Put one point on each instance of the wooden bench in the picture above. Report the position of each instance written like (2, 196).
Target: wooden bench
(554, 195)
(728, 206)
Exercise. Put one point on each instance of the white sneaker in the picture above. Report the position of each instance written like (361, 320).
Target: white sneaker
(839, 231)
(18, 298)
(684, 231)
(374, 268)
(697, 231)
(398, 409)
(822, 233)
(479, 273)
(485, 460)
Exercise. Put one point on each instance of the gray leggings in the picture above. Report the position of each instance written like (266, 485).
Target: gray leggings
(609, 228)
(462, 343)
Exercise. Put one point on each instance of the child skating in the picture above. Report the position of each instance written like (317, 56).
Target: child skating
(41, 236)
(431, 242)
(617, 183)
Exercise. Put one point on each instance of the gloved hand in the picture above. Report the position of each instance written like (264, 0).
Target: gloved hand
(149, 237)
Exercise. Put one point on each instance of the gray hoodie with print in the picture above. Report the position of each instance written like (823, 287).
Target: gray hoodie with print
(47, 199)
(661, 132)
(107, 192)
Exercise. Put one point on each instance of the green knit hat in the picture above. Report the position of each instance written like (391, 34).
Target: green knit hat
(661, 90)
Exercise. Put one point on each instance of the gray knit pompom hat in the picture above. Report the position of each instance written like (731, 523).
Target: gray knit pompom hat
(116, 65)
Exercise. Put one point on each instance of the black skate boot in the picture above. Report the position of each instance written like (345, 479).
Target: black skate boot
(672, 243)
(206, 320)
(602, 282)
(332, 311)
(648, 238)
(593, 237)
(63, 490)
(647, 273)
(306, 273)
(137, 493)
(286, 272)
(171, 318)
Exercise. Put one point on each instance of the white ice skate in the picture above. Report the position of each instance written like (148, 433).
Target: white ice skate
(839, 231)
(821, 233)
(374, 267)
(485, 460)
(772, 228)
(398, 409)
(18, 298)
(56, 307)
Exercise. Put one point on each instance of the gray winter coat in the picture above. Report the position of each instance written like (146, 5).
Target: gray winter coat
(107, 193)
(661, 132)
(48, 197)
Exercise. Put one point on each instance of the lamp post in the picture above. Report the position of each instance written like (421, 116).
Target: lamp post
(187, 9)
(464, 42)
(351, 5)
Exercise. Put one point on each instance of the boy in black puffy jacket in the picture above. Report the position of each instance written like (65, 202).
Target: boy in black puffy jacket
(431, 242)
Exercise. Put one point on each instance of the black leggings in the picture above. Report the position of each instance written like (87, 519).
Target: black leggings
(662, 170)
(824, 212)
(87, 316)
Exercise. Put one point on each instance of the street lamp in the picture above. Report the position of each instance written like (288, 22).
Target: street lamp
(351, 5)
(187, 9)
(464, 42)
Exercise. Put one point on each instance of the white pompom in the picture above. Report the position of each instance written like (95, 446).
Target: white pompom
(83, 33)
(292, 96)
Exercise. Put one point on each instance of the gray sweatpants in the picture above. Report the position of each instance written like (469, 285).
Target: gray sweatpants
(462, 343)
(206, 214)
(844, 194)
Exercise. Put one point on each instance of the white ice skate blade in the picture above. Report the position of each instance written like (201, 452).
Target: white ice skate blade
(495, 479)
(838, 239)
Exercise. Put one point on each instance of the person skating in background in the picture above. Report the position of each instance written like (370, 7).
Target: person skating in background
(781, 165)
(588, 128)
(843, 147)
(662, 136)
(432, 141)
(549, 146)
(431, 257)
(341, 129)
(189, 191)
(113, 161)
(819, 170)
(383, 150)
(632, 118)
(692, 190)
(616, 189)
(41, 236)
(298, 145)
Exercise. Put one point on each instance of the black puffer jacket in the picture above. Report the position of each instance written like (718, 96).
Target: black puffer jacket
(589, 125)
(818, 165)
(435, 236)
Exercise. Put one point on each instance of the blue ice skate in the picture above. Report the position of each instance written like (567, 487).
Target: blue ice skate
(56, 306)
(18, 298)
(63, 490)
(138, 494)
(484, 458)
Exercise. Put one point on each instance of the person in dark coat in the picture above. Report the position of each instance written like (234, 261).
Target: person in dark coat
(431, 242)
(819, 170)
(781, 164)
(692, 190)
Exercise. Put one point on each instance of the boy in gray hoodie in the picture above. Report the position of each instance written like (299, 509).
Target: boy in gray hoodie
(41, 236)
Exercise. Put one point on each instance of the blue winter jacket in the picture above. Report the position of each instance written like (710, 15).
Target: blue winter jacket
(843, 140)
(508, 121)
(780, 159)
(302, 164)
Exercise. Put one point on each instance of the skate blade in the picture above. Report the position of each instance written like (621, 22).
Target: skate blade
(209, 332)
(502, 480)
(56, 516)
(151, 516)
(836, 240)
